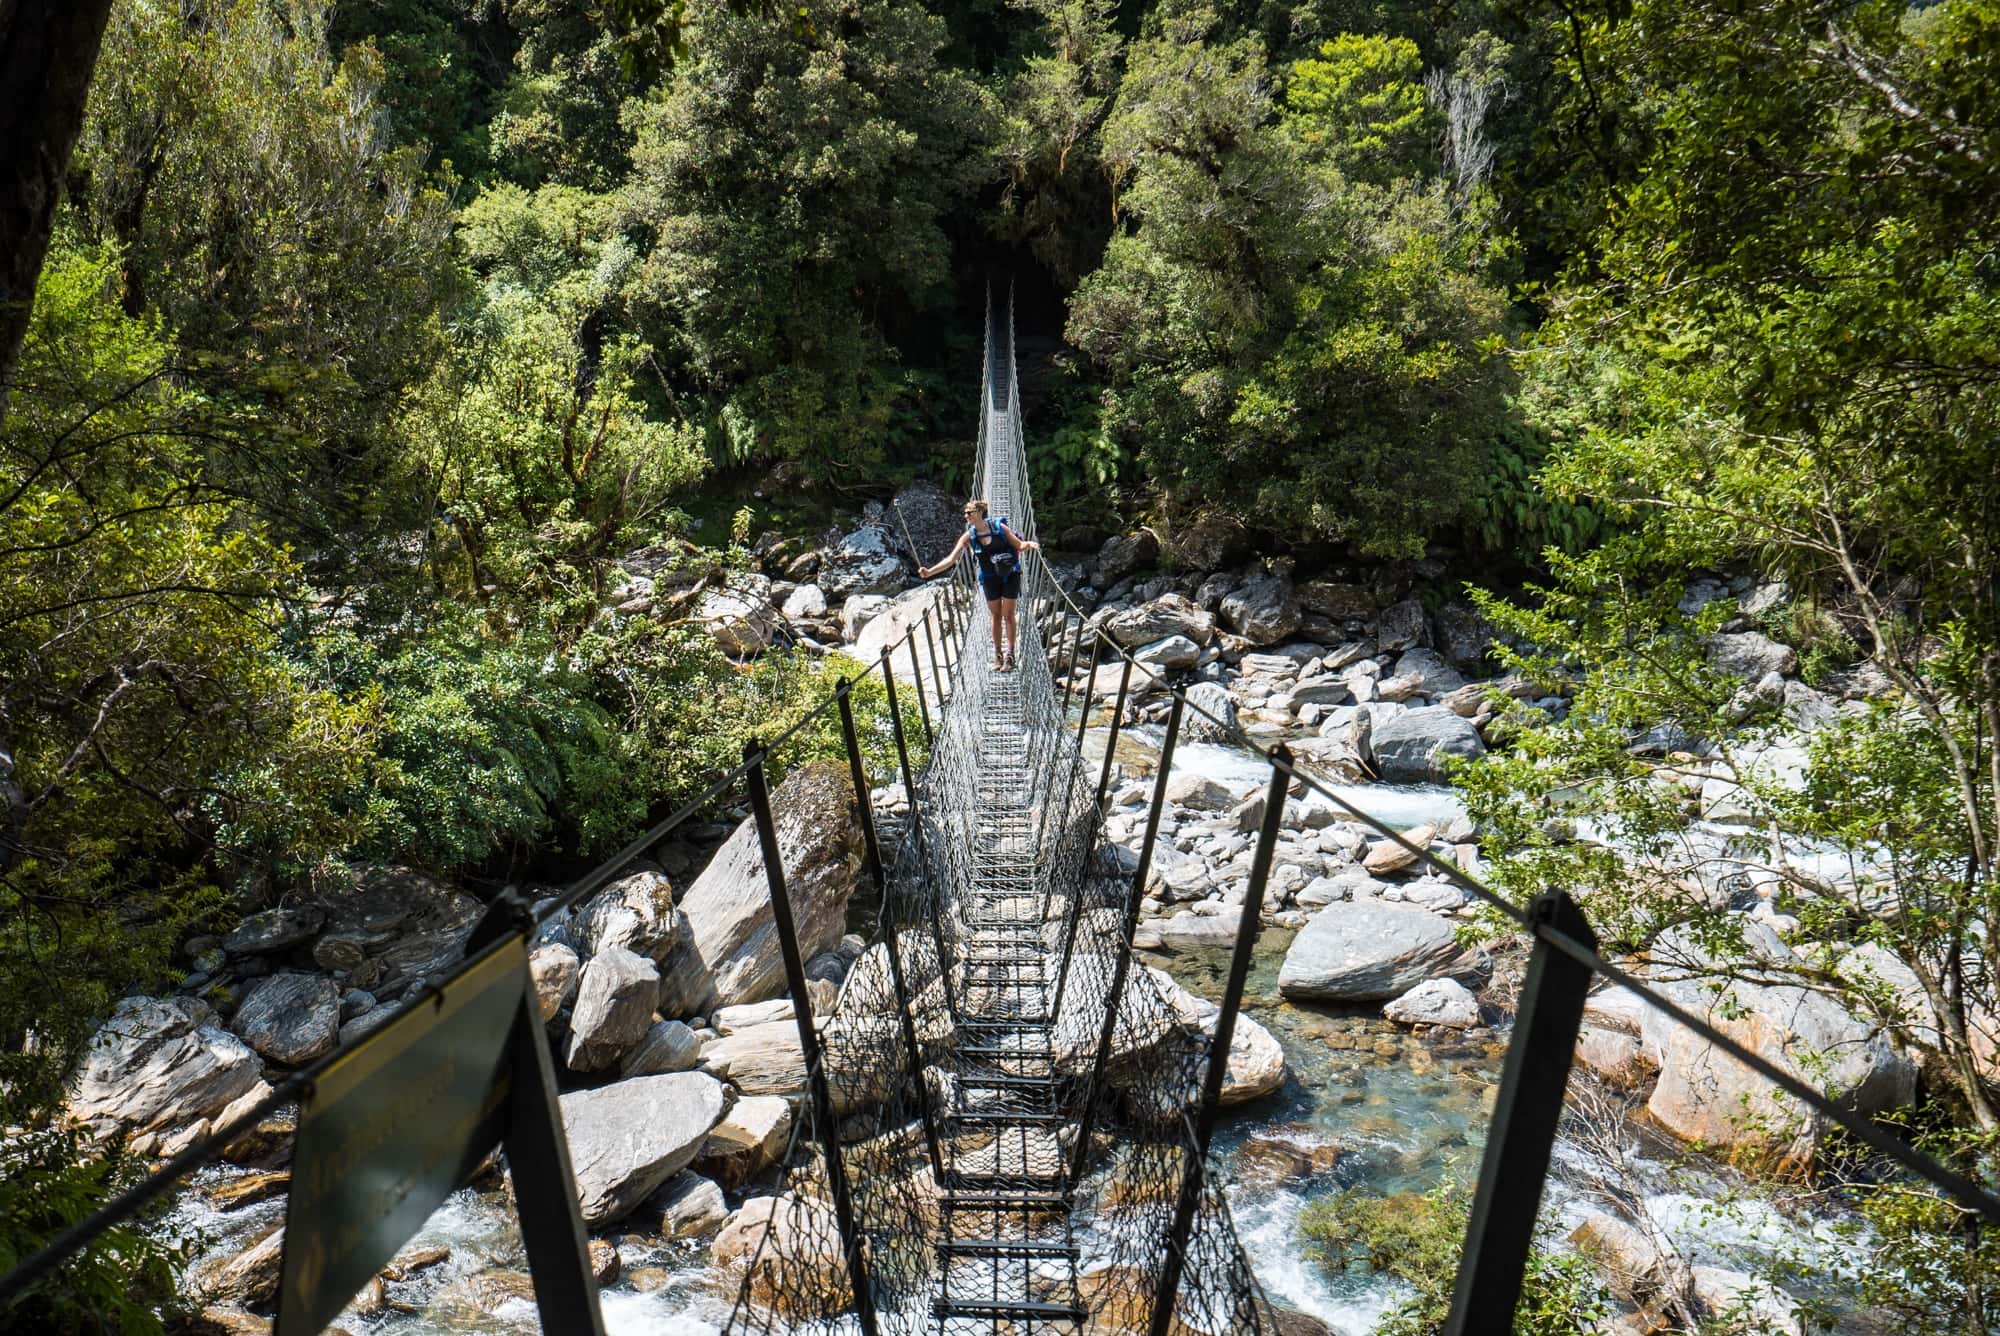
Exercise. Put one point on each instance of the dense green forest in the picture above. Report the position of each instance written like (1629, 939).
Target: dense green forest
(373, 334)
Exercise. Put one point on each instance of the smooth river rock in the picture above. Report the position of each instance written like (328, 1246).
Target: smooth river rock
(1705, 1095)
(799, 1269)
(552, 970)
(1444, 1002)
(614, 1009)
(1371, 951)
(628, 1138)
(1413, 746)
(635, 912)
(290, 1018)
(157, 1063)
(729, 953)
(668, 1046)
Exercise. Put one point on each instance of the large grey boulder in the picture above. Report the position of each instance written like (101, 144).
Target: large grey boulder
(1464, 636)
(1320, 689)
(932, 518)
(690, 1206)
(805, 603)
(1370, 951)
(627, 1138)
(891, 622)
(728, 1020)
(1167, 615)
(1189, 931)
(1445, 1002)
(1751, 654)
(1341, 602)
(635, 913)
(1210, 714)
(433, 939)
(739, 616)
(1168, 654)
(614, 1008)
(1121, 555)
(1410, 746)
(274, 930)
(552, 971)
(1212, 542)
(1401, 626)
(1705, 1095)
(1434, 676)
(1263, 610)
(157, 1063)
(1907, 1010)
(667, 1046)
(764, 1059)
(751, 1138)
(729, 952)
(856, 611)
(864, 562)
(1191, 788)
(1256, 1065)
(290, 1018)
(790, 1248)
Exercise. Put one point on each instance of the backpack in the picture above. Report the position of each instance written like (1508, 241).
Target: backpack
(1003, 557)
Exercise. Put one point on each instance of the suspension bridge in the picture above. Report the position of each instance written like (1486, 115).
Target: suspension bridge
(1030, 1158)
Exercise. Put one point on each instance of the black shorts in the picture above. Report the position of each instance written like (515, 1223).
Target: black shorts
(997, 587)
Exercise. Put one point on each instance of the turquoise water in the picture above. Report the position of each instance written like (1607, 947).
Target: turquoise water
(1363, 1106)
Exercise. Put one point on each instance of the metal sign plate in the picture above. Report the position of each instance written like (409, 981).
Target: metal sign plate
(389, 1130)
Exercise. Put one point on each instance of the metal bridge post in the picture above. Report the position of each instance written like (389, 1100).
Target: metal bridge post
(937, 674)
(1124, 965)
(916, 831)
(923, 701)
(858, 772)
(795, 979)
(1218, 1050)
(1111, 739)
(1523, 1133)
(948, 623)
(1069, 673)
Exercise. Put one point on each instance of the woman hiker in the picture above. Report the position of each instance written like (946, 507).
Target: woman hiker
(998, 549)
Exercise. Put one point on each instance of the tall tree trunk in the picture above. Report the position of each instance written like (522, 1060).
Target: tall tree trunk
(48, 51)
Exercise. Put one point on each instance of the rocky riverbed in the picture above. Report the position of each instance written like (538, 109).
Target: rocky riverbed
(1376, 1028)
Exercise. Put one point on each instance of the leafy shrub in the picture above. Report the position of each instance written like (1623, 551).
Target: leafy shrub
(1417, 1240)
(1513, 513)
(1824, 645)
(123, 1282)
(486, 745)
(1078, 459)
